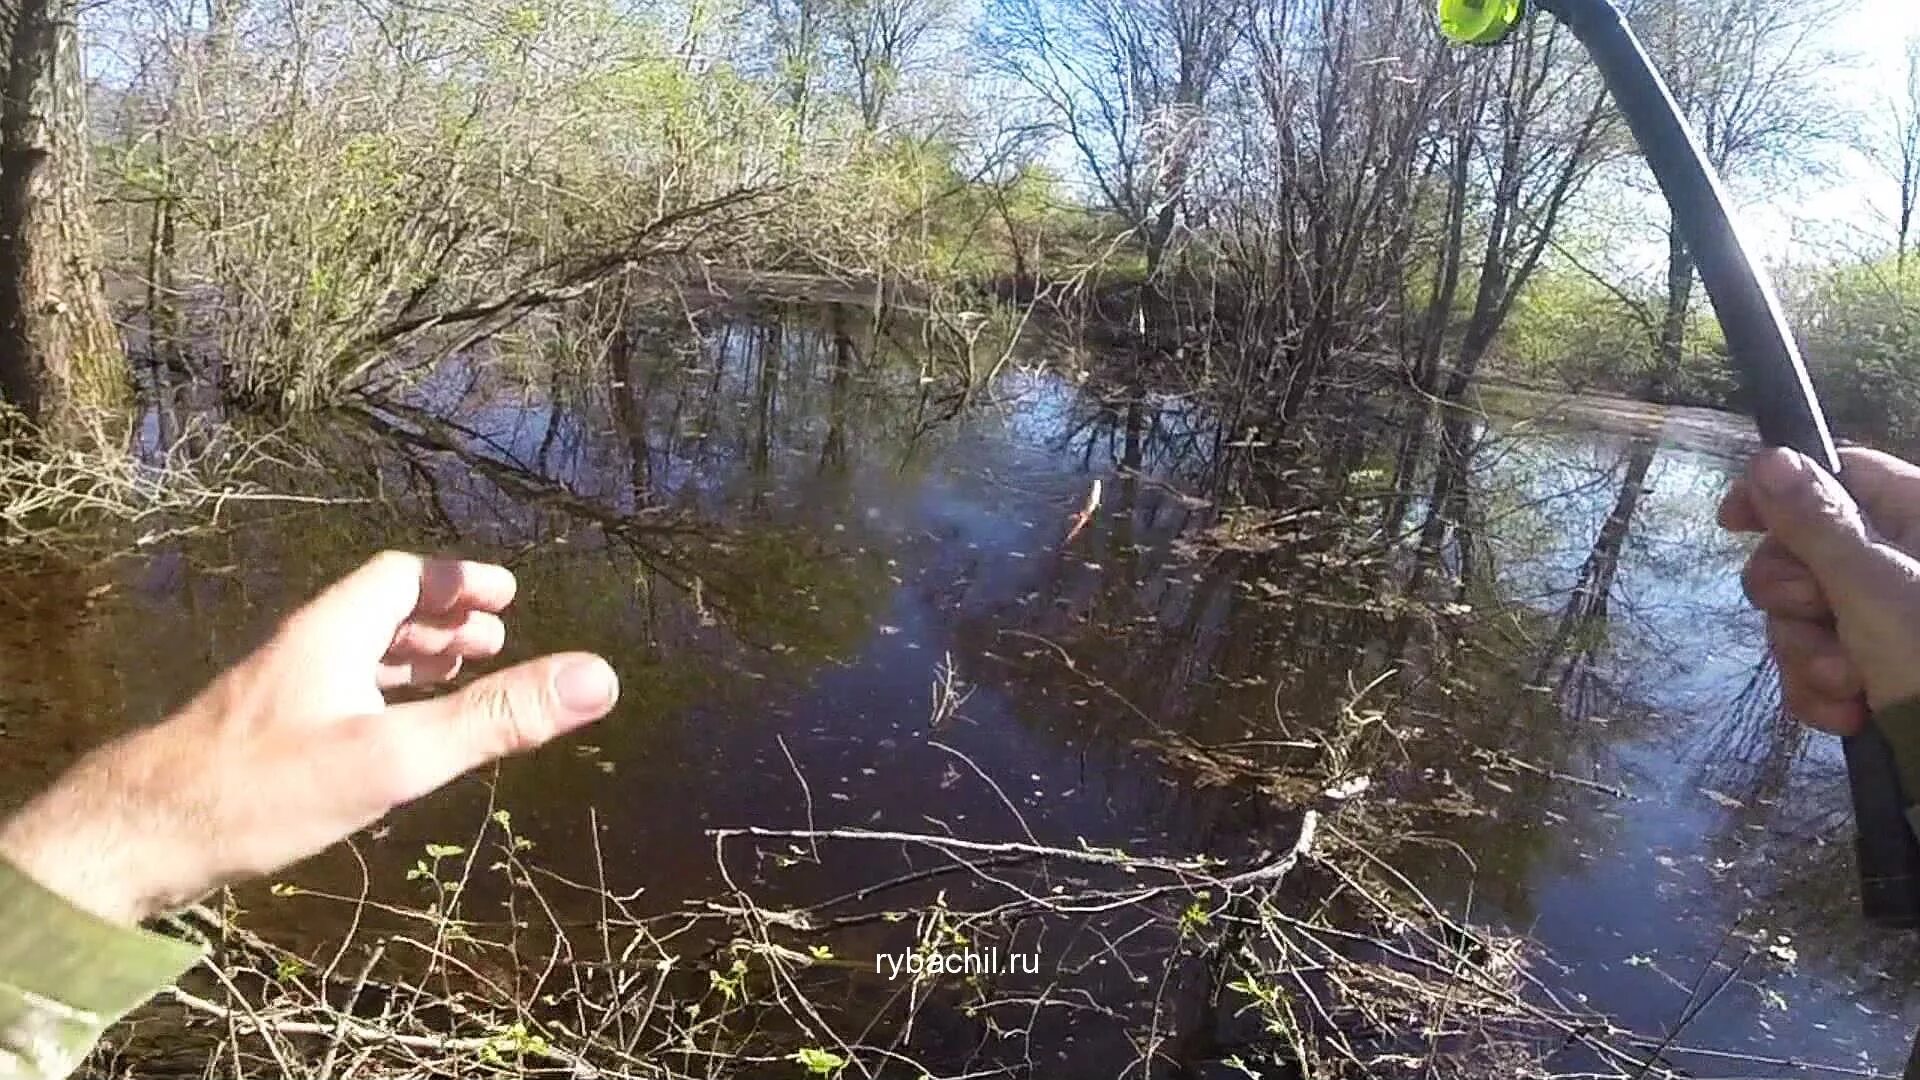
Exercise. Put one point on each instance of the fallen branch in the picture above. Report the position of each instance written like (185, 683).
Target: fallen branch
(357, 1031)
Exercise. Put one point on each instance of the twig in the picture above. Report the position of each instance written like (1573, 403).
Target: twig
(1500, 758)
(806, 793)
(346, 1010)
(355, 1031)
(1019, 819)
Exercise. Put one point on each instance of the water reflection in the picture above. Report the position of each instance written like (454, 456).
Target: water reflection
(1526, 636)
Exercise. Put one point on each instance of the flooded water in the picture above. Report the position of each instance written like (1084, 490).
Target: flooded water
(838, 601)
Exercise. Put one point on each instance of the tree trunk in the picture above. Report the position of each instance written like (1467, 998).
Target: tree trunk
(1673, 324)
(1907, 199)
(1446, 290)
(58, 346)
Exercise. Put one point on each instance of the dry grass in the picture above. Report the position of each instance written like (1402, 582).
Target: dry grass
(101, 491)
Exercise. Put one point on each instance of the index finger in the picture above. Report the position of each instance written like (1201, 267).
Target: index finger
(449, 585)
(365, 609)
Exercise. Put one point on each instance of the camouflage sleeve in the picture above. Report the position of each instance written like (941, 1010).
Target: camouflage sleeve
(66, 975)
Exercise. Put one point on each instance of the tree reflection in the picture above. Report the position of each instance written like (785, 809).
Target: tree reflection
(1581, 629)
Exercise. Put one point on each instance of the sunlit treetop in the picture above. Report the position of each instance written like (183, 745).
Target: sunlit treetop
(1480, 22)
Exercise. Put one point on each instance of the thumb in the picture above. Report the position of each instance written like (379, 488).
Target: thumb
(1809, 512)
(506, 713)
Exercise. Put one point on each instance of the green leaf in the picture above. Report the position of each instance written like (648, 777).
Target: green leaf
(818, 1062)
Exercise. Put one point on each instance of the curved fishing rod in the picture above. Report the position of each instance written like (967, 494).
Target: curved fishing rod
(1764, 355)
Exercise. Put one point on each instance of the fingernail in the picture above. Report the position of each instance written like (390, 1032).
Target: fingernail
(1778, 472)
(587, 686)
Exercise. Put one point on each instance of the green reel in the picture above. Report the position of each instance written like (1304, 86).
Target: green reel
(1480, 22)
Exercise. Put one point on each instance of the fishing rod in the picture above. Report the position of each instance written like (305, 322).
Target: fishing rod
(1764, 356)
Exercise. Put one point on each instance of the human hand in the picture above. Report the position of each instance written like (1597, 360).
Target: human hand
(1837, 578)
(296, 747)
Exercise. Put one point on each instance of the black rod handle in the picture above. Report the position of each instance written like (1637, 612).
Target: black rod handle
(1777, 389)
(1883, 842)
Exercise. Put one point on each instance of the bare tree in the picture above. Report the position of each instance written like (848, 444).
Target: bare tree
(882, 39)
(1342, 152)
(796, 38)
(1750, 75)
(1896, 147)
(1552, 129)
(1458, 152)
(1127, 83)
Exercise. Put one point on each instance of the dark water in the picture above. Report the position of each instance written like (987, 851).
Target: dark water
(785, 537)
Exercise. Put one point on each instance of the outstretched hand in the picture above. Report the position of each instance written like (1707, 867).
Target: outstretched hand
(1837, 577)
(296, 747)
